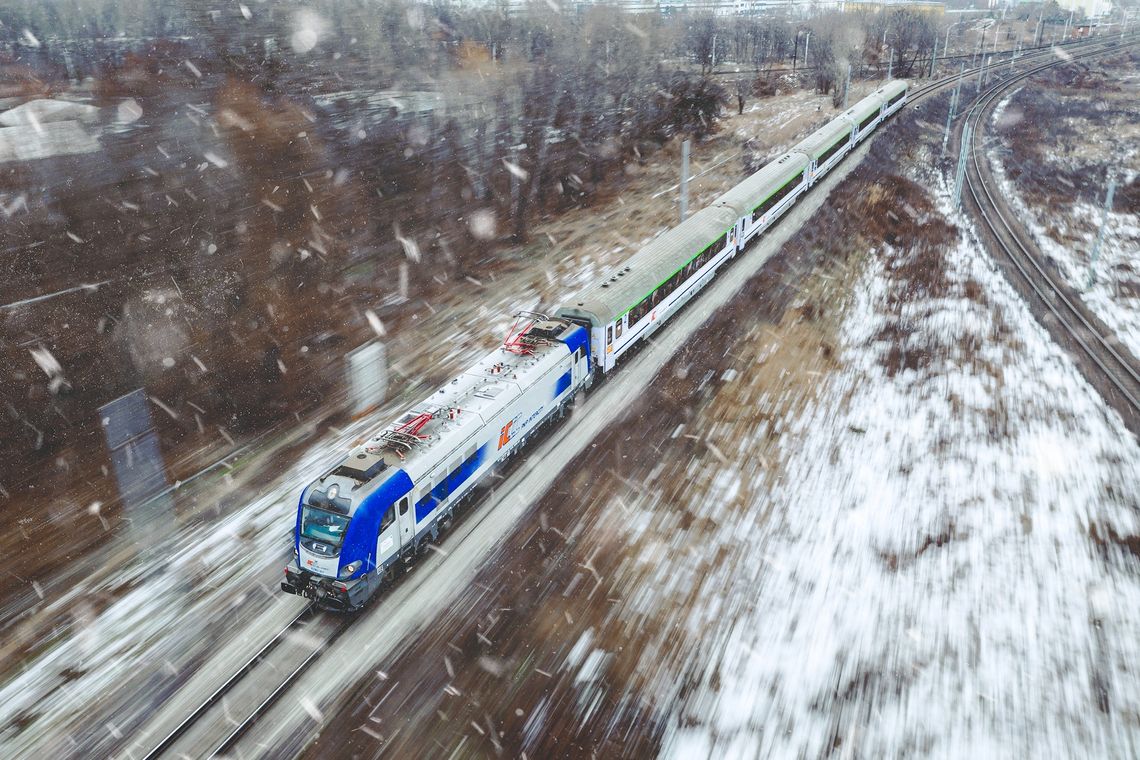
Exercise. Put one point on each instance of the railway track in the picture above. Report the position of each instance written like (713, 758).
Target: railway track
(211, 728)
(921, 65)
(1108, 367)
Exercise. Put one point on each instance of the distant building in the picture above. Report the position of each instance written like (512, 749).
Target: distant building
(57, 138)
(1090, 8)
(671, 7)
(875, 6)
(45, 110)
(45, 128)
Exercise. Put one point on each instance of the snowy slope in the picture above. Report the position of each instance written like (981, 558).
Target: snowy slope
(926, 584)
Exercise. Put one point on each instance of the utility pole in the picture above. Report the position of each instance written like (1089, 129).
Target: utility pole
(1100, 235)
(981, 73)
(890, 62)
(933, 56)
(1065, 36)
(684, 180)
(996, 36)
(846, 87)
(712, 54)
(949, 119)
(807, 41)
(953, 110)
(1037, 31)
(961, 174)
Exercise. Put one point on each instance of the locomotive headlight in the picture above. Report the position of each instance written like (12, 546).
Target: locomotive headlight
(349, 570)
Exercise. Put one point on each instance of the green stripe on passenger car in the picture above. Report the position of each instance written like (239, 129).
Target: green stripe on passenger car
(678, 269)
(829, 147)
(797, 175)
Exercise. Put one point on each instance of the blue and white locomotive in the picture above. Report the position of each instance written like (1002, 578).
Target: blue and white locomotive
(380, 505)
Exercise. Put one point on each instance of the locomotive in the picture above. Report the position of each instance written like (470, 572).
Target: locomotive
(380, 506)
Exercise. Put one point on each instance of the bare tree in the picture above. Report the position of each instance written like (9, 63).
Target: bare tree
(701, 40)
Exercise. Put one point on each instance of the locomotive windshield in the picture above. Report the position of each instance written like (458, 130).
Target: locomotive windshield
(320, 525)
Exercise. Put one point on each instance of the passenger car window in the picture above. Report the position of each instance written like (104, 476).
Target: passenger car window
(618, 333)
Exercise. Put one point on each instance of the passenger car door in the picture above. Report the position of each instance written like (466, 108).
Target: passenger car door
(388, 537)
(406, 518)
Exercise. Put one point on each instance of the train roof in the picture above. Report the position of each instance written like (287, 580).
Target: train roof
(444, 425)
(625, 287)
(823, 138)
(761, 185)
(892, 88)
(875, 100)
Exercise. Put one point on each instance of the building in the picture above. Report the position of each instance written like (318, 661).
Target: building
(875, 6)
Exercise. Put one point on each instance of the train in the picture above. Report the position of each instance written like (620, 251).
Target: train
(362, 521)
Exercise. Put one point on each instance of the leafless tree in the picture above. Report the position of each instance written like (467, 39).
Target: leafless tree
(701, 40)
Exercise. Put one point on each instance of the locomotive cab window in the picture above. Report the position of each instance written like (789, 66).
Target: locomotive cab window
(404, 505)
(609, 334)
(320, 525)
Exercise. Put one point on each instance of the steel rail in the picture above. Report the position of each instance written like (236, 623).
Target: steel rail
(228, 685)
(984, 199)
(922, 64)
(245, 725)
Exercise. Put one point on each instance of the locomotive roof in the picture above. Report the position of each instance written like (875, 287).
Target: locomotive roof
(625, 287)
(456, 412)
(760, 186)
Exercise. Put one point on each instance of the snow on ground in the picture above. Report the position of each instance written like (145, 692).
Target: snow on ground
(1114, 295)
(925, 583)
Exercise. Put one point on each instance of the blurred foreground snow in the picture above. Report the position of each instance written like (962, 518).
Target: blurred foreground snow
(926, 583)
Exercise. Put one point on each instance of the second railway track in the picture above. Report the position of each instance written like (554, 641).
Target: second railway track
(1107, 366)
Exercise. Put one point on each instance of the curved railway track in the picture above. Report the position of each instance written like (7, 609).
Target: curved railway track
(1109, 368)
(921, 65)
(209, 729)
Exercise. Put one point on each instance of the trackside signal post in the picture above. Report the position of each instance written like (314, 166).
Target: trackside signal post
(1100, 235)
(684, 180)
(137, 461)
